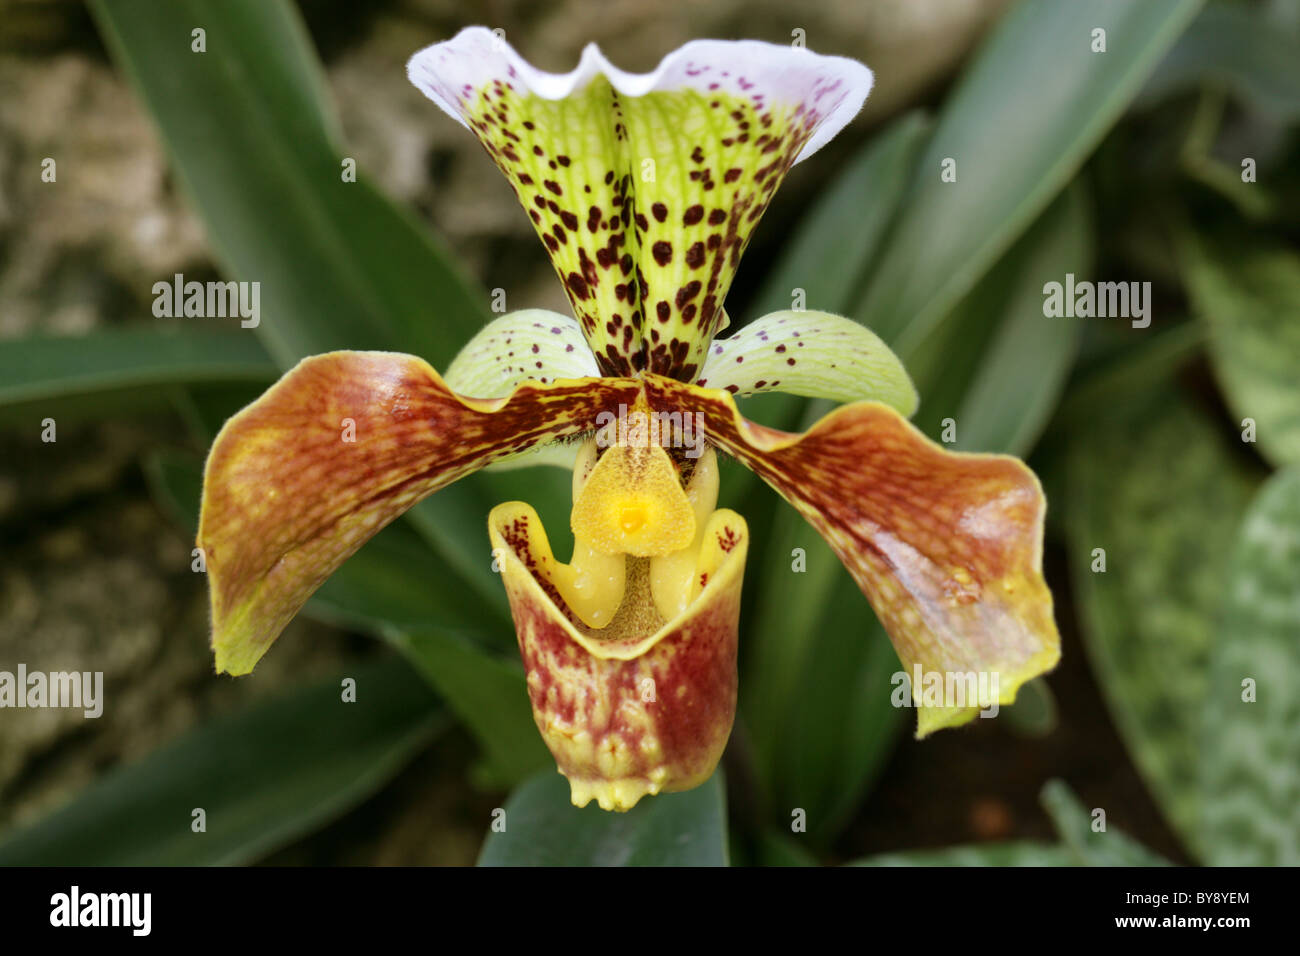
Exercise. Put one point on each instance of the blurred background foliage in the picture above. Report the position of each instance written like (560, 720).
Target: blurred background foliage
(1122, 165)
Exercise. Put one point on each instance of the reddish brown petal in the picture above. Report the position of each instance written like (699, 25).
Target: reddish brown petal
(341, 445)
(946, 546)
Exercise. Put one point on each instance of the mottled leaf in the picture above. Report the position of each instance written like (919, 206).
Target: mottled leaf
(1250, 769)
(1159, 493)
(1250, 296)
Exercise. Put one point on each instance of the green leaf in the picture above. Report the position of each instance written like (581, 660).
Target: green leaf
(43, 367)
(1015, 853)
(775, 848)
(1250, 298)
(1159, 492)
(255, 143)
(489, 695)
(1251, 748)
(1074, 825)
(205, 408)
(541, 828)
(1120, 383)
(105, 371)
(176, 481)
(841, 234)
(841, 726)
(996, 365)
(263, 776)
(1238, 47)
(1020, 123)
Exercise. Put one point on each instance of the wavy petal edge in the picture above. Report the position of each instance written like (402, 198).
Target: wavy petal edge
(481, 46)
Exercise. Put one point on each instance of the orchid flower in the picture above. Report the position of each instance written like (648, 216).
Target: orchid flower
(645, 190)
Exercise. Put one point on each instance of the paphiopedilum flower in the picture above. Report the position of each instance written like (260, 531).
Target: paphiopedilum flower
(645, 190)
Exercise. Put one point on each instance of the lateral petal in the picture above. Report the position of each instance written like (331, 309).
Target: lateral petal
(530, 344)
(339, 447)
(810, 353)
(947, 546)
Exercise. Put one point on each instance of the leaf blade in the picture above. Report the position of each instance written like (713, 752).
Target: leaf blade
(263, 776)
(41, 368)
(1148, 617)
(1249, 297)
(488, 693)
(1251, 769)
(949, 233)
(543, 829)
(1090, 846)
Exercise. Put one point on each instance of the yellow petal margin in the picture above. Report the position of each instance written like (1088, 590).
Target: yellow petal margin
(946, 546)
(643, 705)
(340, 446)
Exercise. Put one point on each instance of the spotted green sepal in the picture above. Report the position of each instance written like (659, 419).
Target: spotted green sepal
(814, 354)
(645, 188)
(528, 345)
